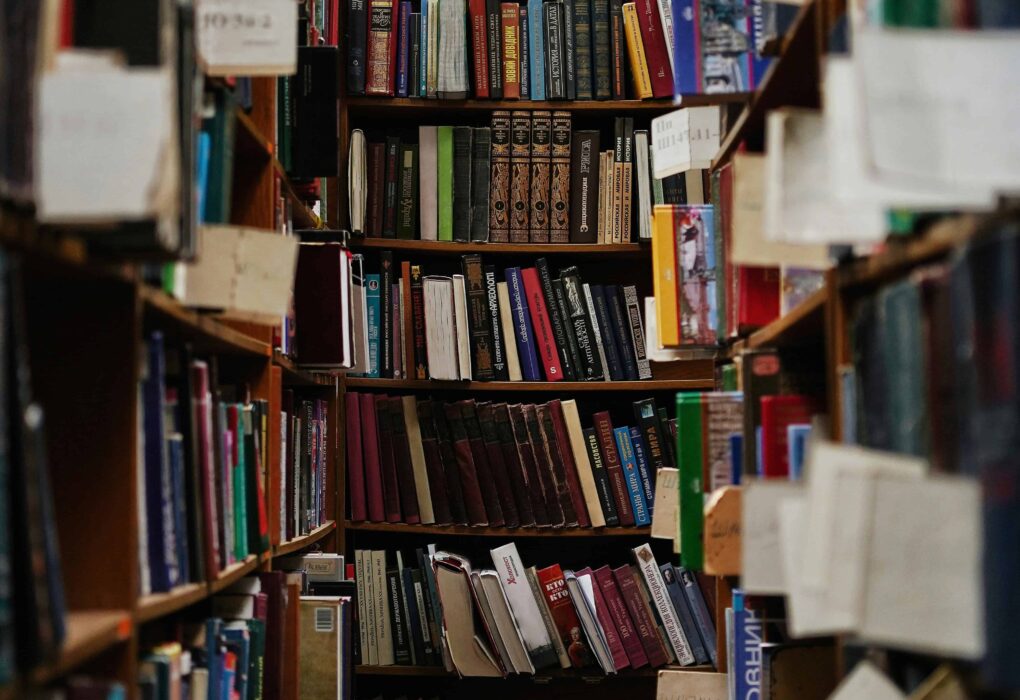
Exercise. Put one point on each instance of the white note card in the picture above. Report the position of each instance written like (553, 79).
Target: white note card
(247, 37)
(866, 682)
(684, 140)
(761, 558)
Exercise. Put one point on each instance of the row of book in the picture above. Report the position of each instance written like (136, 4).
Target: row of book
(202, 502)
(516, 620)
(532, 327)
(527, 178)
(555, 49)
(491, 464)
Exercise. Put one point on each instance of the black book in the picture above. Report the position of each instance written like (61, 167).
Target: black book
(451, 468)
(500, 368)
(357, 43)
(602, 482)
(433, 616)
(524, 52)
(554, 70)
(494, 25)
(569, 57)
(481, 147)
(674, 189)
(582, 49)
(462, 183)
(601, 50)
(584, 187)
(391, 186)
(479, 322)
(414, 89)
(568, 331)
(316, 104)
(555, 319)
(187, 426)
(386, 314)
(407, 200)
(617, 51)
(415, 633)
(609, 343)
(577, 313)
(667, 427)
(648, 423)
(398, 618)
(621, 328)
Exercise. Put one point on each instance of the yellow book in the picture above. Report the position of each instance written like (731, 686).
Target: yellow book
(664, 280)
(636, 51)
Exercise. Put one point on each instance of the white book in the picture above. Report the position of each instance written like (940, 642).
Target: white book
(585, 474)
(596, 331)
(507, 629)
(660, 599)
(421, 477)
(359, 585)
(383, 631)
(506, 322)
(460, 318)
(428, 182)
(346, 310)
(524, 606)
(644, 184)
(666, 15)
(440, 328)
(357, 179)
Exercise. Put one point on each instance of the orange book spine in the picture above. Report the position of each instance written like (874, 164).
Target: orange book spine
(636, 51)
(664, 281)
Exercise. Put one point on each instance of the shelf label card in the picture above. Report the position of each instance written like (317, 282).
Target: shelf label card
(684, 140)
(247, 37)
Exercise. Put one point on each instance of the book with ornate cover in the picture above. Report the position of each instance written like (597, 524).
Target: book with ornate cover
(584, 187)
(520, 176)
(499, 184)
(617, 49)
(481, 148)
(601, 51)
(555, 73)
(541, 152)
(559, 185)
(582, 49)
(478, 16)
(524, 51)
(382, 47)
(478, 318)
(510, 36)
(579, 324)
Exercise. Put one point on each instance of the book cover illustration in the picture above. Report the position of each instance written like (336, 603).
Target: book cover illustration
(725, 46)
(691, 225)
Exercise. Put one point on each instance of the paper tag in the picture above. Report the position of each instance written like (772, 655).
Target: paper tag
(247, 37)
(684, 140)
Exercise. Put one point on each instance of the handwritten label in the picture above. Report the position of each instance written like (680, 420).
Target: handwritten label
(684, 140)
(667, 495)
(722, 532)
(247, 37)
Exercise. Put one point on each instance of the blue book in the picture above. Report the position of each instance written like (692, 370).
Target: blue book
(526, 349)
(423, 80)
(757, 445)
(202, 152)
(699, 611)
(630, 474)
(674, 587)
(759, 62)
(374, 307)
(643, 467)
(709, 272)
(404, 48)
(747, 639)
(176, 451)
(239, 642)
(736, 456)
(536, 48)
(797, 435)
(214, 655)
(161, 544)
(1000, 14)
(525, 53)
(685, 48)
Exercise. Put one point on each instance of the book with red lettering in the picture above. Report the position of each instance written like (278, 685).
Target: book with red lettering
(544, 338)
(566, 456)
(370, 454)
(778, 413)
(605, 583)
(479, 47)
(613, 641)
(644, 624)
(654, 40)
(554, 587)
(355, 459)
(387, 459)
(614, 469)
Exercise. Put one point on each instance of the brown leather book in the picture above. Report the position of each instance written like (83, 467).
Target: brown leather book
(611, 459)
(473, 503)
(479, 321)
(566, 458)
(376, 182)
(434, 465)
(387, 459)
(382, 43)
(500, 472)
(483, 469)
(499, 185)
(274, 586)
(559, 184)
(543, 467)
(520, 176)
(451, 469)
(514, 466)
(402, 458)
(557, 463)
(541, 154)
(535, 493)
(290, 683)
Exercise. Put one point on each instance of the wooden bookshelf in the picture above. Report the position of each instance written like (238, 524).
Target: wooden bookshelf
(804, 324)
(89, 633)
(156, 605)
(207, 334)
(590, 675)
(613, 250)
(515, 532)
(406, 104)
(234, 573)
(649, 385)
(299, 543)
(293, 375)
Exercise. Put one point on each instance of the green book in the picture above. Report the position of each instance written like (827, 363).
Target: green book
(901, 339)
(444, 165)
(240, 491)
(729, 377)
(689, 461)
(256, 658)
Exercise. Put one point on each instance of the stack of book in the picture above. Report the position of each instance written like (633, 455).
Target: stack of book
(561, 50)
(516, 620)
(492, 464)
(527, 178)
(532, 327)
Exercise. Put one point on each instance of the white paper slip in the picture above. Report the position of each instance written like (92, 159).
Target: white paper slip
(866, 682)
(684, 140)
(808, 615)
(247, 37)
(923, 586)
(761, 558)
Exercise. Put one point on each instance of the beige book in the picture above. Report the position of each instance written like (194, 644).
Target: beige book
(665, 512)
(585, 475)
(199, 684)
(490, 623)
(603, 178)
(367, 652)
(867, 682)
(428, 216)
(723, 517)
(694, 181)
(505, 626)
(681, 685)
(460, 322)
(320, 648)
(421, 476)
(383, 631)
(550, 624)
(506, 321)
(468, 652)
(617, 201)
(943, 684)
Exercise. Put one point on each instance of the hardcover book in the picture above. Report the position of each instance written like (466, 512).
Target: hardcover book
(524, 606)
(541, 151)
(584, 187)
(382, 46)
(559, 195)
(499, 186)
(520, 176)
(554, 587)
(510, 24)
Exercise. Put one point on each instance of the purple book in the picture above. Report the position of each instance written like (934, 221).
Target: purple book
(404, 48)
(523, 330)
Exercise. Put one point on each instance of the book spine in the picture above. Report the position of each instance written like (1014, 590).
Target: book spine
(580, 325)
(628, 179)
(545, 480)
(445, 177)
(392, 178)
(407, 205)
(394, 599)
(555, 79)
(602, 480)
(557, 597)
(683, 612)
(625, 448)
(510, 26)
(584, 187)
(451, 467)
(558, 454)
(686, 48)
(547, 619)
(582, 49)
(427, 187)
(653, 39)
(567, 42)
(390, 490)
(376, 189)
(413, 617)
(501, 421)
(563, 311)
(499, 359)
(559, 186)
(357, 40)
(523, 605)
(536, 49)
(637, 332)
(665, 8)
(520, 176)
(509, 336)
(617, 49)
(402, 460)
(499, 185)
(556, 320)
(617, 610)
(355, 458)
(611, 459)
(423, 68)
(479, 47)
(621, 329)
(702, 617)
(414, 77)
(541, 144)
(404, 49)
(524, 51)
(645, 471)
(462, 154)
(434, 465)
(644, 625)
(660, 599)
(617, 209)
(418, 321)
(596, 332)
(478, 319)
(499, 468)
(432, 55)
(524, 333)
(606, 333)
(470, 488)
(570, 469)
(370, 451)
(380, 39)
(535, 493)
(601, 51)
(486, 482)
(406, 320)
(494, 24)
(546, 345)
(386, 306)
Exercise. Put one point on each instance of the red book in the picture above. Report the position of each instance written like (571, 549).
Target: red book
(202, 408)
(569, 466)
(777, 413)
(355, 459)
(474, 504)
(654, 40)
(499, 466)
(511, 25)
(479, 47)
(611, 458)
(526, 454)
(554, 587)
(605, 583)
(370, 454)
(434, 464)
(647, 632)
(382, 47)
(376, 186)
(544, 338)
(274, 586)
(620, 660)
(486, 480)
(759, 296)
(387, 459)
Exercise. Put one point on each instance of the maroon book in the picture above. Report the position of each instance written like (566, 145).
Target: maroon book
(514, 466)
(527, 457)
(407, 322)
(387, 459)
(620, 658)
(418, 323)
(500, 473)
(474, 504)
(355, 459)
(556, 462)
(434, 465)
(559, 425)
(274, 586)
(611, 459)
(622, 623)
(376, 182)
(486, 482)
(644, 624)
(318, 310)
(543, 470)
(654, 40)
(402, 460)
(370, 452)
(454, 487)
(203, 422)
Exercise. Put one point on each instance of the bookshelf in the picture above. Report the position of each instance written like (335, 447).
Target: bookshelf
(650, 385)
(432, 248)
(381, 104)
(471, 531)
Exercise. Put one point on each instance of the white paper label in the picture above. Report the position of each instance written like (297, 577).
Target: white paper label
(684, 140)
(247, 37)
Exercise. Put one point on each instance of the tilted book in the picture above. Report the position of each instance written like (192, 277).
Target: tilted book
(512, 577)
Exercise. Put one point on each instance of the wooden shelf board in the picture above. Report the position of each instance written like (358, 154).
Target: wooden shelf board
(552, 387)
(248, 129)
(299, 543)
(233, 573)
(89, 633)
(295, 376)
(357, 104)
(588, 674)
(470, 531)
(157, 605)
(452, 248)
(210, 334)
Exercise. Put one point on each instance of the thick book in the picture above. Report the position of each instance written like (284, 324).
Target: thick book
(654, 39)
(500, 368)
(524, 332)
(407, 201)
(510, 35)
(470, 488)
(547, 619)
(382, 47)
(508, 566)
(556, 88)
(479, 20)
(387, 460)
(678, 598)
(357, 46)
(557, 467)
(494, 40)
(541, 166)
(499, 182)
(559, 180)
(584, 187)
(390, 187)
(583, 464)
(498, 465)
(661, 602)
(579, 325)
(617, 50)
(445, 180)
(621, 620)
(621, 331)
(405, 475)
(565, 451)
(520, 176)
(582, 50)
(483, 469)
(607, 334)
(611, 459)
(428, 173)
(636, 52)
(545, 477)
(376, 189)
(370, 450)
(568, 627)
(603, 483)
(536, 50)
(644, 625)
(435, 468)
(481, 147)
(479, 319)
(452, 82)
(601, 51)
(462, 157)
(699, 610)
(451, 465)
(569, 55)
(526, 454)
(355, 459)
(628, 462)
(637, 331)
(544, 340)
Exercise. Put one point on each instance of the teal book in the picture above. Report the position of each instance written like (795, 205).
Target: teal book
(374, 308)
(902, 342)
(631, 476)
(444, 166)
(690, 460)
(236, 416)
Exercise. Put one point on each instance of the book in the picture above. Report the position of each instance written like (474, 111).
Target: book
(545, 341)
(462, 198)
(644, 625)
(569, 55)
(636, 51)
(500, 364)
(524, 606)
(445, 179)
(506, 320)
(461, 327)
(510, 37)
(382, 46)
(541, 174)
(452, 79)
(611, 460)
(583, 464)
(479, 19)
(481, 147)
(584, 187)
(524, 333)
(403, 48)
(777, 413)
(606, 499)
(555, 64)
(390, 184)
(499, 185)
(519, 199)
(635, 489)
(568, 627)
(494, 43)
(407, 199)
(559, 182)
(657, 49)
(536, 49)
(621, 619)
(580, 326)
(524, 51)
(582, 50)
(428, 170)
